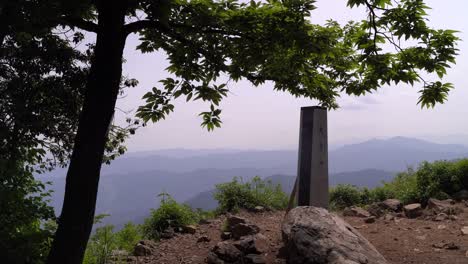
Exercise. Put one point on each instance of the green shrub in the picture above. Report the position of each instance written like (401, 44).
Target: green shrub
(169, 214)
(236, 195)
(438, 179)
(128, 237)
(344, 195)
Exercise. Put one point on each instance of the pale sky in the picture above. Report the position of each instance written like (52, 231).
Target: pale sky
(260, 118)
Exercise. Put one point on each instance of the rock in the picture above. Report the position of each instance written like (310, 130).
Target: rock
(413, 210)
(388, 217)
(204, 221)
(168, 233)
(254, 259)
(189, 229)
(225, 235)
(461, 195)
(446, 245)
(213, 259)
(393, 205)
(464, 230)
(376, 209)
(203, 239)
(233, 220)
(253, 244)
(144, 248)
(440, 217)
(227, 252)
(437, 206)
(370, 220)
(242, 229)
(259, 209)
(440, 227)
(313, 235)
(355, 211)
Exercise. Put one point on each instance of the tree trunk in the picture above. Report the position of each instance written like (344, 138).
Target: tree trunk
(76, 219)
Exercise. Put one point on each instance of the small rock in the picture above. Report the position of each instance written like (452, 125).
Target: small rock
(227, 252)
(440, 217)
(413, 210)
(464, 230)
(392, 204)
(259, 209)
(144, 248)
(189, 229)
(203, 239)
(453, 217)
(254, 259)
(370, 220)
(461, 195)
(376, 209)
(253, 244)
(225, 235)
(233, 220)
(213, 259)
(446, 245)
(355, 212)
(204, 221)
(388, 217)
(242, 229)
(441, 227)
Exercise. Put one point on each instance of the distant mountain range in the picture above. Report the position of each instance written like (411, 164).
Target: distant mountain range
(129, 186)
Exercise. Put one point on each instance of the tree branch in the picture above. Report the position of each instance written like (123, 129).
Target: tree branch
(81, 24)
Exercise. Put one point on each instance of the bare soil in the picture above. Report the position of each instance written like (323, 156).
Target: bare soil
(401, 241)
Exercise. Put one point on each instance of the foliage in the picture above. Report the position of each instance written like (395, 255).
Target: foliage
(236, 195)
(439, 179)
(105, 240)
(24, 214)
(169, 214)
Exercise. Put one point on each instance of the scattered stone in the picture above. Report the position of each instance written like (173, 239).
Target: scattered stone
(227, 252)
(413, 210)
(213, 259)
(394, 205)
(370, 220)
(440, 227)
(438, 206)
(259, 209)
(464, 230)
(446, 245)
(144, 248)
(225, 235)
(453, 217)
(355, 212)
(388, 217)
(243, 229)
(168, 233)
(189, 229)
(203, 239)
(254, 259)
(204, 221)
(376, 209)
(420, 237)
(233, 220)
(313, 235)
(253, 244)
(440, 217)
(461, 195)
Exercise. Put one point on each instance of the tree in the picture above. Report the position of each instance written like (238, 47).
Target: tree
(258, 41)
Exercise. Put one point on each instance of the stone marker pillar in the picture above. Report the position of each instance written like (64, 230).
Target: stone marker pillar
(312, 169)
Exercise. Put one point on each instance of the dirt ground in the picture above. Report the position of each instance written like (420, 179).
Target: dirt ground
(401, 241)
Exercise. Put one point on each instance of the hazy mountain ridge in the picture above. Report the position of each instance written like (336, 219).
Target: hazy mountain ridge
(129, 186)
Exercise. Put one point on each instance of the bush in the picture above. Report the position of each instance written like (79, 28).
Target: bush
(345, 195)
(236, 195)
(169, 214)
(104, 241)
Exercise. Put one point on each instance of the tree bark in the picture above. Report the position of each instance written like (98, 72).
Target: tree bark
(76, 219)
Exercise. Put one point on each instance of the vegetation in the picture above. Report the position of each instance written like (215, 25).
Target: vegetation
(439, 179)
(169, 214)
(237, 195)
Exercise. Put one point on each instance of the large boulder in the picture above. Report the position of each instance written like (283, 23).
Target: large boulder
(239, 227)
(438, 206)
(461, 195)
(314, 236)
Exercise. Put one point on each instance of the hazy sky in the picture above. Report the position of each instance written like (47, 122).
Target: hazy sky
(260, 118)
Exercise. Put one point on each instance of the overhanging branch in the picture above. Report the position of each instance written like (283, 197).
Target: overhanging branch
(81, 24)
